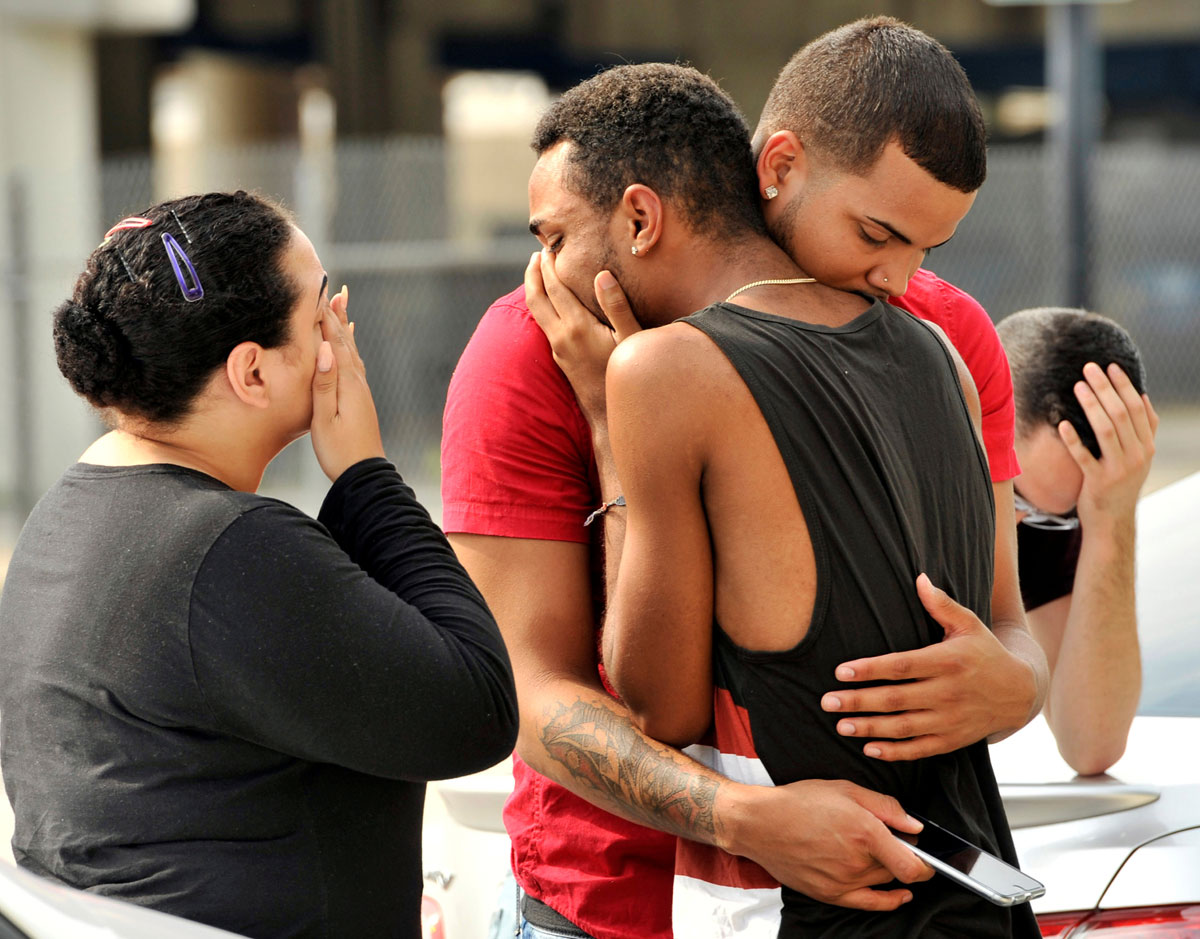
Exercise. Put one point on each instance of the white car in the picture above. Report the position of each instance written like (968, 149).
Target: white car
(1120, 854)
(32, 907)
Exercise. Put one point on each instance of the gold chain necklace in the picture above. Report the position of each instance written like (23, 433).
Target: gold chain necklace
(763, 283)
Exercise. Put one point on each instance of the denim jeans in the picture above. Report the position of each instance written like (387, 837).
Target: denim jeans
(530, 931)
(508, 923)
(506, 918)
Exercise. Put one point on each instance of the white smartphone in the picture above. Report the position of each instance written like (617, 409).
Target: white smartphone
(971, 866)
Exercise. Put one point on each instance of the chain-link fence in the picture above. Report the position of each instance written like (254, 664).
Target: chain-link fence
(1145, 250)
(377, 212)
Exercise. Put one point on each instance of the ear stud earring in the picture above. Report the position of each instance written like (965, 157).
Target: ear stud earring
(633, 248)
(770, 192)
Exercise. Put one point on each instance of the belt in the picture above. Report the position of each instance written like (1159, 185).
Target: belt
(545, 917)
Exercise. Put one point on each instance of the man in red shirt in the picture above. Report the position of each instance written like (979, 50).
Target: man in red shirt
(596, 804)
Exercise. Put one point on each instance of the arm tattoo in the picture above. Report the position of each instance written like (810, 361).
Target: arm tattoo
(645, 782)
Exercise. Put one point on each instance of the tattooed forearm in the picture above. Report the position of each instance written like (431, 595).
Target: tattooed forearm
(644, 781)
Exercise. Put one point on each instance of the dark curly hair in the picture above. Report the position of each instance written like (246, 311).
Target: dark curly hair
(128, 341)
(1047, 348)
(853, 90)
(668, 127)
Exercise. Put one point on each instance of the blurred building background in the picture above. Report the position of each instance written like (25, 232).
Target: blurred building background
(397, 129)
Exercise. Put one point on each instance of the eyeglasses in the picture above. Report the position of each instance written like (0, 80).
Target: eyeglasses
(1036, 518)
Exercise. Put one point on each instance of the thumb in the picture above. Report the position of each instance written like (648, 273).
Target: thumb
(888, 811)
(615, 306)
(325, 384)
(951, 616)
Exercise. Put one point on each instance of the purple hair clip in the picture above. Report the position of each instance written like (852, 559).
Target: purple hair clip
(175, 254)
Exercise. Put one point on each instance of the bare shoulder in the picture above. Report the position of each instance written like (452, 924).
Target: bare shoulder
(670, 385)
(664, 355)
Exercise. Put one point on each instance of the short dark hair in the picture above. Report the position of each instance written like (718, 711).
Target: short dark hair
(129, 341)
(668, 127)
(853, 90)
(1047, 348)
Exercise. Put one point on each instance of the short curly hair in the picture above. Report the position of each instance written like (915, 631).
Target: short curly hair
(668, 127)
(130, 343)
(1047, 348)
(855, 89)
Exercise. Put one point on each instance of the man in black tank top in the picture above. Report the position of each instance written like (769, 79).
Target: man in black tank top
(791, 464)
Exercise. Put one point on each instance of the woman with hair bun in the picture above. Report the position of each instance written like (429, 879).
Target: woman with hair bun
(214, 705)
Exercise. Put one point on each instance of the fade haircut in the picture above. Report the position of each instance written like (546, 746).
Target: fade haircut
(1047, 348)
(668, 127)
(853, 90)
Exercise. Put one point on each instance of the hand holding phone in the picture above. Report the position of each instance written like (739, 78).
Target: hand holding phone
(972, 867)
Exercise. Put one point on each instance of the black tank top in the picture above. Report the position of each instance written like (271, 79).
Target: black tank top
(874, 430)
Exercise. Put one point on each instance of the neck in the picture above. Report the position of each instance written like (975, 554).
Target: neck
(230, 457)
(717, 269)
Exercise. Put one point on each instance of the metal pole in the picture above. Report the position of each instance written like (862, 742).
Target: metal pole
(24, 491)
(1073, 68)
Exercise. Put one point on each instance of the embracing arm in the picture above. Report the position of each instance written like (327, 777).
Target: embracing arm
(824, 838)
(976, 683)
(572, 730)
(658, 630)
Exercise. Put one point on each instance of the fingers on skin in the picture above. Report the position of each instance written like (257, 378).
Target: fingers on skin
(1106, 412)
(1079, 453)
(566, 304)
(1151, 412)
(1141, 415)
(324, 385)
(325, 356)
(341, 338)
(340, 303)
(615, 305)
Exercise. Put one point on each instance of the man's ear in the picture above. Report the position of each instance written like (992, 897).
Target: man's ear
(244, 369)
(640, 217)
(781, 161)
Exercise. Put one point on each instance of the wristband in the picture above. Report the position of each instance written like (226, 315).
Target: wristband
(604, 507)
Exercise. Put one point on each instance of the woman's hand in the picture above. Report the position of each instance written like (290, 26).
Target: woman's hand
(345, 427)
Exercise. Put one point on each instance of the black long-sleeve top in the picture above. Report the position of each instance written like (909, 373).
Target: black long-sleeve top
(213, 705)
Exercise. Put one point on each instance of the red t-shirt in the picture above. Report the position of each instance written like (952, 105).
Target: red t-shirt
(974, 336)
(517, 462)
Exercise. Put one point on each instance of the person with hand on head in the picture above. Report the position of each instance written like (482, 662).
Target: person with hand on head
(1085, 439)
(215, 705)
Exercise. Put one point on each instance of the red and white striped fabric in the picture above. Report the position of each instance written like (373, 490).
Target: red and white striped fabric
(718, 894)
